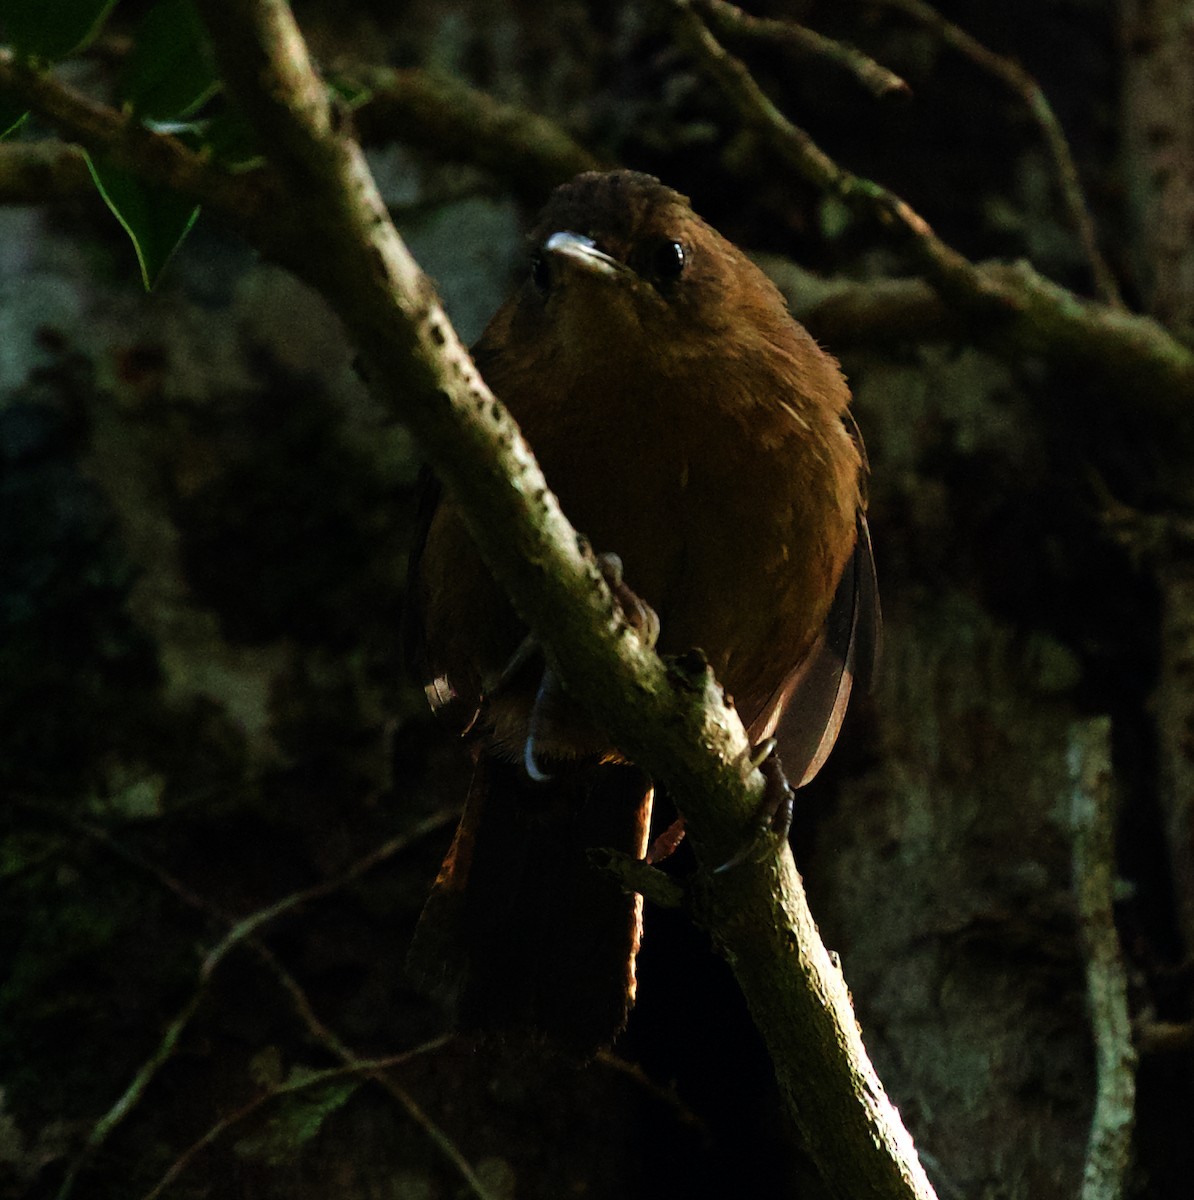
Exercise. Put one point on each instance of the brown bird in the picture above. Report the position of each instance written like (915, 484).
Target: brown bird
(691, 427)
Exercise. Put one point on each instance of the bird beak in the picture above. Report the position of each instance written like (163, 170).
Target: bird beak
(580, 251)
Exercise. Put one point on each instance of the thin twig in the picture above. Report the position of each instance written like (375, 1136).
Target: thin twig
(734, 22)
(240, 930)
(1165, 1037)
(320, 1032)
(447, 120)
(41, 172)
(350, 252)
(366, 1067)
(416, 366)
(331, 1042)
(950, 271)
(249, 925)
(1015, 77)
(1109, 1147)
(1010, 308)
(102, 1129)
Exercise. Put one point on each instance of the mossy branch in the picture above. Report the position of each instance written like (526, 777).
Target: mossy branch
(1013, 309)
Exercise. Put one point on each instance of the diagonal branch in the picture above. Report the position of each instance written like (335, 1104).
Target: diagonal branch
(239, 932)
(440, 118)
(368, 1068)
(951, 272)
(1012, 310)
(446, 119)
(1026, 87)
(734, 22)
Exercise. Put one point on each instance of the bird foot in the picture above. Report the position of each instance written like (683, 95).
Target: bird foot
(772, 819)
(549, 696)
(640, 616)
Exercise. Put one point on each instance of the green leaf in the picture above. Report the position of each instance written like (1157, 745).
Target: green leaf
(299, 1117)
(171, 71)
(12, 116)
(352, 93)
(52, 29)
(155, 219)
(232, 140)
(835, 217)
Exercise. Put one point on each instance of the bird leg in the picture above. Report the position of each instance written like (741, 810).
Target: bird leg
(773, 816)
(665, 844)
(549, 695)
(640, 616)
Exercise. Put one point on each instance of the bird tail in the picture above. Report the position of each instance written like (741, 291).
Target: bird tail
(522, 930)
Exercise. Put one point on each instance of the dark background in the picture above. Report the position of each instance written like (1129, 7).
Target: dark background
(203, 707)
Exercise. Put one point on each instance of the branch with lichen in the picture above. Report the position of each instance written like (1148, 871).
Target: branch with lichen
(1109, 1147)
(950, 271)
(1008, 308)
(1011, 310)
(447, 120)
(440, 118)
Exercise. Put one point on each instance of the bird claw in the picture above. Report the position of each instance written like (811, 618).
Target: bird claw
(773, 817)
(640, 616)
(548, 690)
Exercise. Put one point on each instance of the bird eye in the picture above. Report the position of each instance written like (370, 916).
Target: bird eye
(667, 261)
(541, 274)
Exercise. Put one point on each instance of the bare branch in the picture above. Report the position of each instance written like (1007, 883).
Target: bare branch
(155, 157)
(240, 931)
(447, 120)
(1012, 310)
(1165, 1037)
(733, 22)
(133, 1094)
(757, 914)
(441, 118)
(368, 1068)
(326, 1038)
(1109, 1148)
(1026, 87)
(319, 1032)
(949, 271)
(844, 313)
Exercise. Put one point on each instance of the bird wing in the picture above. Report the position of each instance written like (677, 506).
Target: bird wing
(812, 701)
